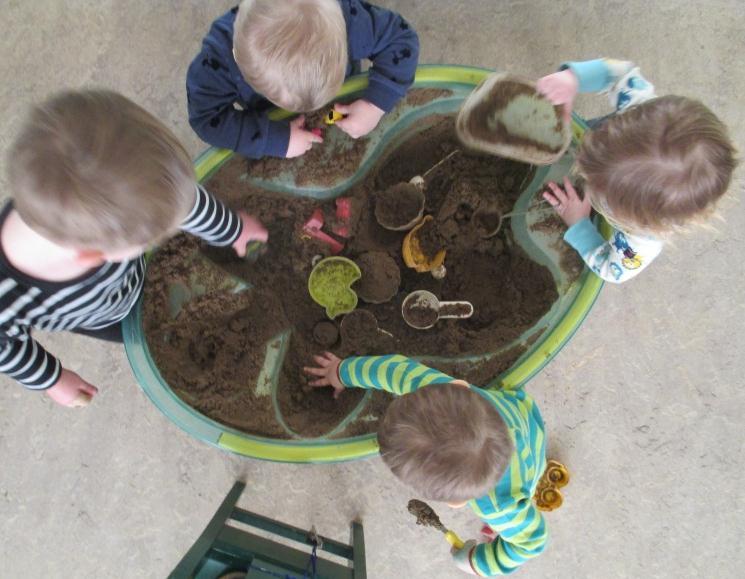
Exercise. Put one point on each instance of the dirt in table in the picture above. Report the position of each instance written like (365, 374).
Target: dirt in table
(398, 205)
(320, 166)
(213, 351)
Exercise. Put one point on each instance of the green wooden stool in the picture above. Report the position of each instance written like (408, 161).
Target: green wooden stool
(223, 549)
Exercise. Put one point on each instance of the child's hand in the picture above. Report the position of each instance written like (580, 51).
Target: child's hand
(561, 89)
(462, 557)
(253, 230)
(361, 118)
(71, 390)
(301, 140)
(567, 203)
(327, 372)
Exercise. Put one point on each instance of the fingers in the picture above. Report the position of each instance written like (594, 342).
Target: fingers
(558, 193)
(320, 383)
(322, 360)
(330, 357)
(89, 389)
(313, 371)
(340, 108)
(315, 138)
(567, 113)
(81, 400)
(571, 192)
(298, 122)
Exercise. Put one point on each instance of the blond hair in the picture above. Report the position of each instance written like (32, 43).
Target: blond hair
(658, 166)
(294, 52)
(445, 441)
(90, 169)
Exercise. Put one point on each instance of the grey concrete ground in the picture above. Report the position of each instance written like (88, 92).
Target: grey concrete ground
(646, 404)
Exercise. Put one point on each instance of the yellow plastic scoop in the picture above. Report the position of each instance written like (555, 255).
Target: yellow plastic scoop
(425, 515)
(416, 258)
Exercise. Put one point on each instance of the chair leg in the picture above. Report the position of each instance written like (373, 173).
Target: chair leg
(187, 567)
(358, 549)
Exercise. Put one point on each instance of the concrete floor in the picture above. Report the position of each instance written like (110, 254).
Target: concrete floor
(645, 405)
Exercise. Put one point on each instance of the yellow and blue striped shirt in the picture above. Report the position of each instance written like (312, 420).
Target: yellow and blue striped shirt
(508, 509)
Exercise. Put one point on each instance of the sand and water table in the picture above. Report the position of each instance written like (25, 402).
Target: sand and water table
(440, 91)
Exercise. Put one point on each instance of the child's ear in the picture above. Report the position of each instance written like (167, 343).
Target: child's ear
(90, 257)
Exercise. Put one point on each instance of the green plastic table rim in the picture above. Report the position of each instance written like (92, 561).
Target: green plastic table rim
(328, 451)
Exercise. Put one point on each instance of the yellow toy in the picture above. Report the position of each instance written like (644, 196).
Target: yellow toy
(547, 495)
(415, 258)
(332, 116)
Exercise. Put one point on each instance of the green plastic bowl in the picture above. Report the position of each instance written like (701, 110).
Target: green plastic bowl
(544, 340)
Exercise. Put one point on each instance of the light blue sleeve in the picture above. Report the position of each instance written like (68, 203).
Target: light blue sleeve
(617, 260)
(621, 79)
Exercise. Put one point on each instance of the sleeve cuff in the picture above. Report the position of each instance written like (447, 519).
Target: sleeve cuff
(278, 139)
(584, 236)
(382, 96)
(593, 75)
(343, 373)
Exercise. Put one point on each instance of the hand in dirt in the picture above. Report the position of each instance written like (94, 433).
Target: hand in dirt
(301, 140)
(462, 557)
(567, 203)
(361, 117)
(561, 89)
(71, 390)
(253, 230)
(327, 373)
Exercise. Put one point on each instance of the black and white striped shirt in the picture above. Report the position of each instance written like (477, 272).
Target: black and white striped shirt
(97, 299)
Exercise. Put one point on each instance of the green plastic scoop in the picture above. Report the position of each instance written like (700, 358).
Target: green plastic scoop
(506, 116)
(330, 285)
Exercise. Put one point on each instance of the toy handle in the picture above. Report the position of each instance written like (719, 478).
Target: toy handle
(454, 540)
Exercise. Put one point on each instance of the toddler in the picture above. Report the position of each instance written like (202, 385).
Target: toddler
(95, 180)
(460, 444)
(295, 54)
(656, 165)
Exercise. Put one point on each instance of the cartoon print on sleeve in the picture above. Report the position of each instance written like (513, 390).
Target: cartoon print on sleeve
(631, 259)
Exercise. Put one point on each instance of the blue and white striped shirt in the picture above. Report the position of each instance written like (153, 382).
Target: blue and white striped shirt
(95, 300)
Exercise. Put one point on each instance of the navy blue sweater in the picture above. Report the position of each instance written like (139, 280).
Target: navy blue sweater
(214, 83)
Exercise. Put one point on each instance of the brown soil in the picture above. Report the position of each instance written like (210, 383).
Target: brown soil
(501, 94)
(420, 314)
(398, 205)
(380, 279)
(487, 221)
(421, 96)
(454, 309)
(508, 290)
(430, 240)
(311, 169)
(325, 333)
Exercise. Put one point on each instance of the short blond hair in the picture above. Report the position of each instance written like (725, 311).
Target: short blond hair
(659, 165)
(294, 52)
(90, 169)
(445, 441)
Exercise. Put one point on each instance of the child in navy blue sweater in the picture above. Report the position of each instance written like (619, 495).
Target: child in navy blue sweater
(295, 54)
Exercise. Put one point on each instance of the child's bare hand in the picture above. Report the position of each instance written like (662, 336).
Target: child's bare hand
(301, 140)
(71, 390)
(567, 202)
(561, 89)
(327, 373)
(361, 118)
(253, 230)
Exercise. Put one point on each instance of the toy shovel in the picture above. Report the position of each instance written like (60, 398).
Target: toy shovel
(425, 515)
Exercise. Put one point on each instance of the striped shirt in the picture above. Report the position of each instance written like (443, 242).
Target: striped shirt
(508, 509)
(99, 298)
